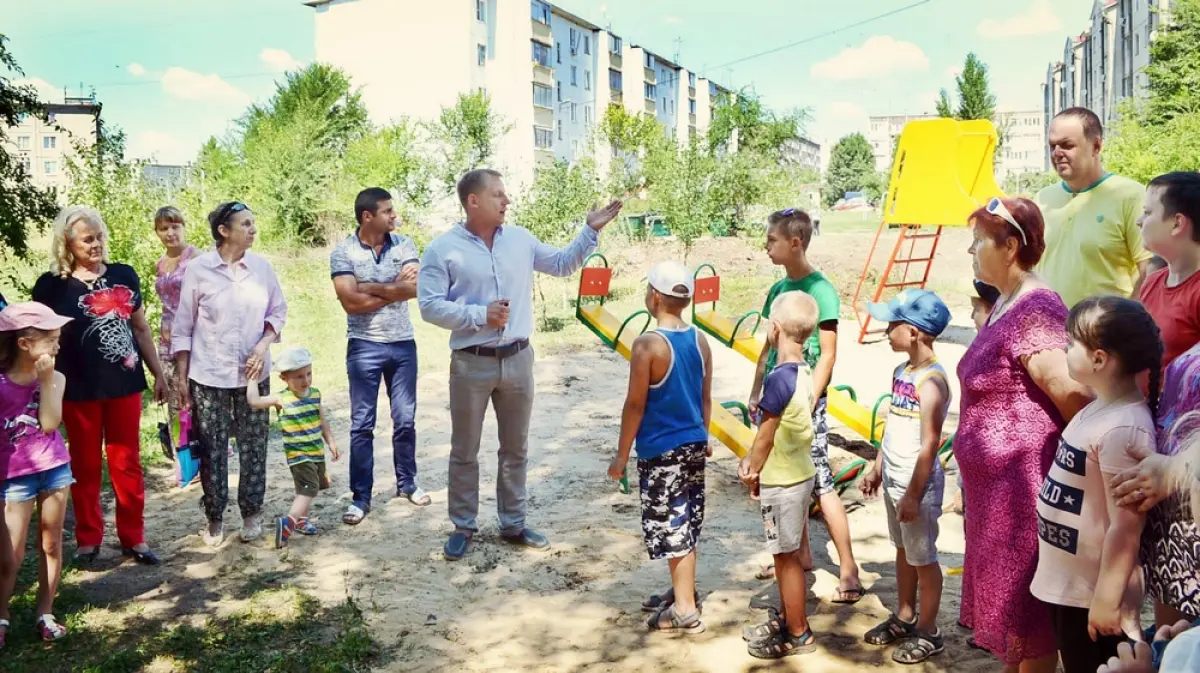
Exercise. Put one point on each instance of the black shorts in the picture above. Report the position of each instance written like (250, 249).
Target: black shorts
(310, 478)
(1079, 654)
(672, 494)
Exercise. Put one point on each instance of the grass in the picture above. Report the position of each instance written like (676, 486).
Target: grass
(844, 220)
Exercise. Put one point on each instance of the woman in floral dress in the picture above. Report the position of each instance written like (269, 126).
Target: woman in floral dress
(1016, 399)
(102, 351)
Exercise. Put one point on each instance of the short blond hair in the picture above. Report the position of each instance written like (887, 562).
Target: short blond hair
(796, 314)
(168, 214)
(62, 262)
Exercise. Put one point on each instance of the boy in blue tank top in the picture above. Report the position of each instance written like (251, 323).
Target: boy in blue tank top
(908, 469)
(666, 415)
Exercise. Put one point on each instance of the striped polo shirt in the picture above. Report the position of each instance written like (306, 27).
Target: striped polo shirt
(300, 421)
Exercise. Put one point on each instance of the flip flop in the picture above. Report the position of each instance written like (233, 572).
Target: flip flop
(766, 572)
(848, 596)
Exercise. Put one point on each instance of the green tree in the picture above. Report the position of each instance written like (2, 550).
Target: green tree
(630, 136)
(394, 158)
(1028, 183)
(466, 136)
(943, 106)
(21, 202)
(318, 91)
(1174, 70)
(975, 99)
(683, 177)
(758, 128)
(851, 169)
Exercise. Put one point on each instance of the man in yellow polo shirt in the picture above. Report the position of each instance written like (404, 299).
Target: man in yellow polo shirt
(1093, 243)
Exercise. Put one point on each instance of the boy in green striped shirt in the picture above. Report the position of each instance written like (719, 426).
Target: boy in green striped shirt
(305, 434)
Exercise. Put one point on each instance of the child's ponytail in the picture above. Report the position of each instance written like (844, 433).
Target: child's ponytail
(1124, 328)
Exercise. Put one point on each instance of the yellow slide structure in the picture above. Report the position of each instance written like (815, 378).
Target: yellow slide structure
(842, 400)
(619, 335)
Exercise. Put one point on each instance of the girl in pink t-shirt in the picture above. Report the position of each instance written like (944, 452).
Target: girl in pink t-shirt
(35, 466)
(1088, 549)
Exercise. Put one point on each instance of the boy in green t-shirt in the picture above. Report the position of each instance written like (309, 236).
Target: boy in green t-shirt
(789, 233)
(305, 433)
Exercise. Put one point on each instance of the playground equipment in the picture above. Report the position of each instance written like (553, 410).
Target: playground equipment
(618, 335)
(740, 336)
(942, 172)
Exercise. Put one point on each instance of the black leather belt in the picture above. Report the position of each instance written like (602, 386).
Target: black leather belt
(500, 352)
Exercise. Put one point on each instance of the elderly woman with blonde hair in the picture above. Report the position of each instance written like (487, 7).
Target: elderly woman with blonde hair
(102, 352)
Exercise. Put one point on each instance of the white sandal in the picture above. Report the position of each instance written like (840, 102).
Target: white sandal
(49, 629)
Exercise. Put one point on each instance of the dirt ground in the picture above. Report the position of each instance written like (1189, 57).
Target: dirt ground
(576, 607)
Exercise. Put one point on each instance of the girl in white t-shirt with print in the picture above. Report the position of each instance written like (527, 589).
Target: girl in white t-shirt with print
(1088, 553)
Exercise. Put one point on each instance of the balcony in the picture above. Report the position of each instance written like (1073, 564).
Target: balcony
(692, 119)
(616, 96)
(651, 77)
(543, 117)
(692, 92)
(542, 33)
(651, 106)
(543, 74)
(543, 157)
(615, 61)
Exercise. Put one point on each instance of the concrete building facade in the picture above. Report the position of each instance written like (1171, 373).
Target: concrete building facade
(549, 73)
(42, 146)
(1023, 130)
(1105, 64)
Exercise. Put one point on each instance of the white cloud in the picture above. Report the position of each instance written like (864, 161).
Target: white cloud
(157, 145)
(187, 84)
(46, 92)
(136, 69)
(278, 59)
(1039, 19)
(672, 19)
(879, 55)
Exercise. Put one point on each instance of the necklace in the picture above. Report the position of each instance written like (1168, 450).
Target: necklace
(924, 363)
(1002, 307)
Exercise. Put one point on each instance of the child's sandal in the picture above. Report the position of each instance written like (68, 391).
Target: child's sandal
(783, 645)
(919, 648)
(768, 629)
(677, 623)
(890, 631)
(3, 634)
(49, 629)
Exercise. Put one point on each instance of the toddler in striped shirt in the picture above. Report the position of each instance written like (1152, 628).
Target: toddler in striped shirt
(305, 434)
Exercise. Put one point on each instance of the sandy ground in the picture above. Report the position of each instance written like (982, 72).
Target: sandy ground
(576, 607)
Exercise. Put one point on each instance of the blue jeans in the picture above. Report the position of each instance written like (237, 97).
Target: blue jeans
(367, 363)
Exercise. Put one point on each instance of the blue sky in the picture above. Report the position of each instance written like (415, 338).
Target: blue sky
(172, 73)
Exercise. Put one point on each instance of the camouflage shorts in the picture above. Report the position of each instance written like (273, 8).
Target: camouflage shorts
(672, 488)
(820, 449)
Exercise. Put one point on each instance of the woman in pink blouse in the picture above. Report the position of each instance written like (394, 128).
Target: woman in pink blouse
(231, 309)
(168, 225)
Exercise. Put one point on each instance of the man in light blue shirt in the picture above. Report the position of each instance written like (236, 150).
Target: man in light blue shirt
(476, 280)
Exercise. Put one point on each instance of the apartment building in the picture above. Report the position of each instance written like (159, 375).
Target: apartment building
(42, 146)
(1024, 140)
(549, 73)
(1105, 64)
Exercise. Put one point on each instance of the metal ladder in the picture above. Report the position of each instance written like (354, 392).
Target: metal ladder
(899, 272)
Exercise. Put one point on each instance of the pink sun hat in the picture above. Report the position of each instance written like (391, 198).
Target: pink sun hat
(30, 314)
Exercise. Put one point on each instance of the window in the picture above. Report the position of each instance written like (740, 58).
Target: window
(649, 60)
(692, 79)
(587, 80)
(540, 12)
(541, 54)
(573, 112)
(543, 96)
(614, 79)
(50, 167)
(23, 142)
(614, 45)
(558, 87)
(542, 138)
(587, 44)
(651, 91)
(480, 10)
(49, 143)
(558, 52)
(560, 129)
(587, 115)
(574, 42)
(482, 50)
(574, 76)
(26, 163)
(692, 107)
(712, 90)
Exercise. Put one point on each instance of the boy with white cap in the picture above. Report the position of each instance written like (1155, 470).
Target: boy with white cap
(305, 433)
(666, 413)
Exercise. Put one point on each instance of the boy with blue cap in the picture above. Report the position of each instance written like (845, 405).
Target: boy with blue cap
(910, 473)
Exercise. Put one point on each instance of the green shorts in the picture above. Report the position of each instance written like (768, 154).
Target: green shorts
(310, 478)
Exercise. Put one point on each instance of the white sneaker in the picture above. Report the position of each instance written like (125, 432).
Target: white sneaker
(213, 540)
(251, 530)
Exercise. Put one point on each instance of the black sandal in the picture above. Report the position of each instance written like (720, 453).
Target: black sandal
(890, 631)
(783, 645)
(86, 559)
(919, 648)
(768, 629)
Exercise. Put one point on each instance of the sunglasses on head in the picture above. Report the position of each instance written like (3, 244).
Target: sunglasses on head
(996, 207)
(788, 213)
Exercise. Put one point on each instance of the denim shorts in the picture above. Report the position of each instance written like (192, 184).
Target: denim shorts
(29, 486)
